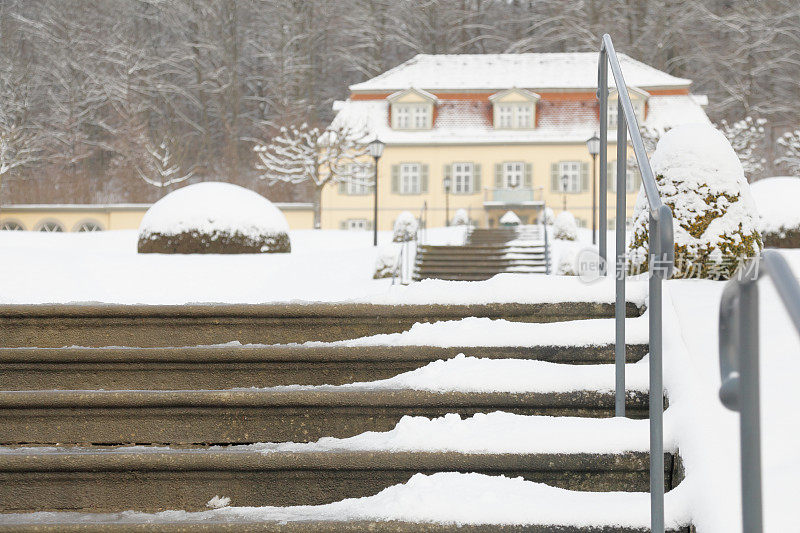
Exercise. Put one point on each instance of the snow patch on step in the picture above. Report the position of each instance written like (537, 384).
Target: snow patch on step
(476, 374)
(474, 331)
(451, 498)
(496, 432)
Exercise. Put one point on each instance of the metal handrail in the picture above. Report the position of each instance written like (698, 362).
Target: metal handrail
(661, 261)
(738, 365)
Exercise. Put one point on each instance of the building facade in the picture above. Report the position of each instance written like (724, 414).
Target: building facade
(103, 217)
(508, 132)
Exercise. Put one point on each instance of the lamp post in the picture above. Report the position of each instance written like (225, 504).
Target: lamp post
(564, 183)
(593, 145)
(375, 149)
(447, 201)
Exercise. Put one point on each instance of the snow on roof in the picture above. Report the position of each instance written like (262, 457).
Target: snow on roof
(211, 207)
(776, 200)
(469, 122)
(503, 71)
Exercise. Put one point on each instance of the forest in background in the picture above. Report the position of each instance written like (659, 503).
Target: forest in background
(106, 100)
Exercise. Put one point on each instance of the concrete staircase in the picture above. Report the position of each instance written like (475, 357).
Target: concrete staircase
(487, 252)
(69, 416)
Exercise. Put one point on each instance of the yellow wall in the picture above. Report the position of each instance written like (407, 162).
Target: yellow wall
(338, 207)
(118, 217)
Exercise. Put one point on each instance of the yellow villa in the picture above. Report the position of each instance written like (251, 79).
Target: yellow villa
(508, 130)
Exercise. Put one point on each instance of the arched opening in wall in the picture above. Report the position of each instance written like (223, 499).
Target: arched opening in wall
(50, 226)
(11, 225)
(87, 226)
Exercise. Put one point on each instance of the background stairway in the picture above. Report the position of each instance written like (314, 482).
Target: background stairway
(487, 252)
(69, 415)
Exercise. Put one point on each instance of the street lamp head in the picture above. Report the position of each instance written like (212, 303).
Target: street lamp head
(593, 144)
(564, 182)
(375, 148)
(447, 185)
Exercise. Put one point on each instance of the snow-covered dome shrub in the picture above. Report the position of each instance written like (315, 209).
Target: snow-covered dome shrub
(405, 227)
(777, 203)
(213, 218)
(566, 261)
(385, 265)
(510, 219)
(461, 218)
(548, 216)
(701, 179)
(565, 227)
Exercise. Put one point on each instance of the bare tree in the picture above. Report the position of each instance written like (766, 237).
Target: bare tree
(165, 163)
(314, 156)
(789, 144)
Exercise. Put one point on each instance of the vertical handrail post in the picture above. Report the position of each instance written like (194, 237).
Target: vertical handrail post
(602, 94)
(619, 263)
(750, 416)
(656, 408)
(546, 240)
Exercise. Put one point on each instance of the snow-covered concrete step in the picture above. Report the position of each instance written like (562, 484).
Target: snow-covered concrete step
(262, 415)
(155, 479)
(83, 523)
(183, 325)
(230, 366)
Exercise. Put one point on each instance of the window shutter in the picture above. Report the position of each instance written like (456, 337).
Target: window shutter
(369, 224)
(498, 175)
(423, 181)
(447, 172)
(342, 187)
(476, 178)
(342, 224)
(528, 176)
(611, 177)
(554, 177)
(396, 179)
(584, 177)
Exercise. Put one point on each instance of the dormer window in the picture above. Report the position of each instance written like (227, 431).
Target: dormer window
(412, 109)
(638, 99)
(515, 116)
(514, 109)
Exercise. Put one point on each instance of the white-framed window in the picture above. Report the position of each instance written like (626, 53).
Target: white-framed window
(513, 174)
(11, 225)
(420, 117)
(523, 116)
(572, 171)
(361, 176)
(409, 178)
(515, 116)
(417, 116)
(506, 116)
(357, 224)
(50, 226)
(632, 177)
(463, 178)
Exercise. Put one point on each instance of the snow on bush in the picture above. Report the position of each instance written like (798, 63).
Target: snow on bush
(566, 261)
(510, 219)
(405, 227)
(548, 216)
(777, 202)
(461, 218)
(213, 218)
(385, 265)
(701, 179)
(565, 227)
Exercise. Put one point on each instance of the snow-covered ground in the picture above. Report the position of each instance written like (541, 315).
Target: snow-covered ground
(337, 265)
(323, 266)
